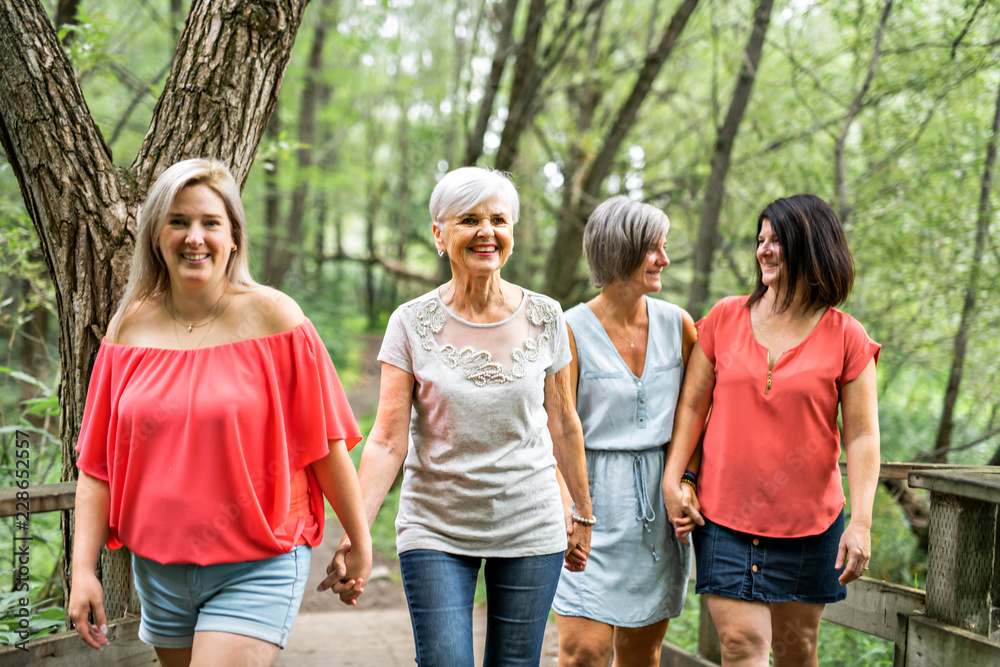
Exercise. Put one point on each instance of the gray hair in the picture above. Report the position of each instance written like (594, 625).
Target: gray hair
(619, 234)
(465, 188)
(148, 276)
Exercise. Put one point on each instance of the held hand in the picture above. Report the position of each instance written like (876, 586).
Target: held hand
(855, 548)
(578, 548)
(684, 511)
(86, 597)
(347, 572)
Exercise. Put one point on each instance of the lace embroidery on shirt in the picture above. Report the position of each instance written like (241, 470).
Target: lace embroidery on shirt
(478, 365)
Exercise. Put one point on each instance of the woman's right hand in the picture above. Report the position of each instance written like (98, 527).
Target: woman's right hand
(690, 514)
(86, 597)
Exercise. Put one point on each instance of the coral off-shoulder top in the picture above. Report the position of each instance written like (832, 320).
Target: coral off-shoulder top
(206, 451)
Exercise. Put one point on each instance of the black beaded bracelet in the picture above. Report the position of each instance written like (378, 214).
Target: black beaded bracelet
(583, 522)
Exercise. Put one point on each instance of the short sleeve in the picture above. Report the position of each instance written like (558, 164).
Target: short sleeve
(395, 345)
(859, 349)
(707, 328)
(315, 409)
(561, 354)
(95, 430)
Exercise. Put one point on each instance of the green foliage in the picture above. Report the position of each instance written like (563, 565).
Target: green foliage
(45, 548)
(43, 619)
(90, 40)
(401, 86)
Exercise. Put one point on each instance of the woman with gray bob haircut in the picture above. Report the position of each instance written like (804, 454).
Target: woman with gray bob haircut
(629, 353)
(475, 404)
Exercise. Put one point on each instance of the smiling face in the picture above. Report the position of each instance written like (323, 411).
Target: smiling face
(478, 241)
(648, 274)
(769, 255)
(196, 239)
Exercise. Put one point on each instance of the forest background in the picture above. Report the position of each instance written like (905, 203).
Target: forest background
(708, 109)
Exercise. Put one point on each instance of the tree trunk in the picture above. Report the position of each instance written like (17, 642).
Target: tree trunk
(291, 240)
(715, 190)
(565, 253)
(474, 144)
(943, 441)
(215, 103)
(272, 196)
(66, 15)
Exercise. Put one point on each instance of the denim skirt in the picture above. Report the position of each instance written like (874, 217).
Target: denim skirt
(742, 566)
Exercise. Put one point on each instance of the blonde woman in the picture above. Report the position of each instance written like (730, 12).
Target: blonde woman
(215, 426)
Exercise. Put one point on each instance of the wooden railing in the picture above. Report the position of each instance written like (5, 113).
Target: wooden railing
(954, 622)
(66, 648)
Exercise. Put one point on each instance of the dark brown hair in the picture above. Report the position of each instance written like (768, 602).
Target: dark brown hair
(813, 250)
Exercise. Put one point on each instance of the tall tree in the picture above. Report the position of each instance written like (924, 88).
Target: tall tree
(715, 189)
(585, 193)
(972, 287)
(216, 101)
(283, 247)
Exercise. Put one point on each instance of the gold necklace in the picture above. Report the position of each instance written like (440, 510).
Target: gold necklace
(620, 334)
(192, 325)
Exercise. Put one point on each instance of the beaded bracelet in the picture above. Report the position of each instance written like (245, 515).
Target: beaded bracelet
(582, 521)
(688, 474)
(688, 480)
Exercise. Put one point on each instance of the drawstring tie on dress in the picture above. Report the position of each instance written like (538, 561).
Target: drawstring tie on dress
(644, 511)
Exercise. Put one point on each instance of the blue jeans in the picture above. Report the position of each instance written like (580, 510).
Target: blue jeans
(440, 588)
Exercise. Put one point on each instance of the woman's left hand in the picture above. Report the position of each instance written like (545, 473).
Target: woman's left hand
(338, 579)
(855, 549)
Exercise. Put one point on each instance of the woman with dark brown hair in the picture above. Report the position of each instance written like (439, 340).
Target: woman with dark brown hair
(771, 547)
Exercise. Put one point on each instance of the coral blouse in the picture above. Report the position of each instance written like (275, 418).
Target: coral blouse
(772, 443)
(206, 451)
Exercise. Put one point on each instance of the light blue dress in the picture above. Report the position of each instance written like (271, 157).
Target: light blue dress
(637, 571)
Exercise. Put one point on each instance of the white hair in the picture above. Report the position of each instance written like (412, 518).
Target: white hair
(465, 188)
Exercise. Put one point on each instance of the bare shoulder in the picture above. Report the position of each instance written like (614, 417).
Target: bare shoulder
(139, 326)
(270, 310)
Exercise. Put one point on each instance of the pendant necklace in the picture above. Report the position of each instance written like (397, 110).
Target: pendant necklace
(191, 326)
(194, 325)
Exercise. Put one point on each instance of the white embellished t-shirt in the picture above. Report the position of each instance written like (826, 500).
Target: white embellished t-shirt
(479, 477)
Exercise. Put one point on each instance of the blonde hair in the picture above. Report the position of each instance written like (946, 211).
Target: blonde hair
(148, 276)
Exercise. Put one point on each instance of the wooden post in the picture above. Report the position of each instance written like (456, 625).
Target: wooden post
(962, 557)
(709, 647)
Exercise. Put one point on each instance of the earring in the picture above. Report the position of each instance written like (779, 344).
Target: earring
(440, 252)
(234, 247)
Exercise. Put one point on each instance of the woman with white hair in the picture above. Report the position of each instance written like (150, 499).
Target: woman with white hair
(475, 396)
(215, 425)
(629, 353)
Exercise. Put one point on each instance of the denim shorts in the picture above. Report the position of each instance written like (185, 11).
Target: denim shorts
(738, 565)
(257, 598)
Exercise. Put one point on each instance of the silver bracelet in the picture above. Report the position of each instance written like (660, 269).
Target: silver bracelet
(583, 522)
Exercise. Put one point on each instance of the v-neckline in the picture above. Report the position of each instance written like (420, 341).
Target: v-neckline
(767, 350)
(649, 338)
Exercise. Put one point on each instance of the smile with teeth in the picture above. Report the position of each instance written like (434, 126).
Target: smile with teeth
(191, 257)
(484, 249)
